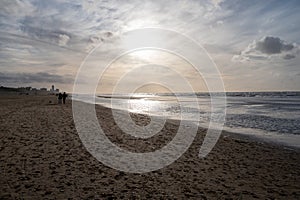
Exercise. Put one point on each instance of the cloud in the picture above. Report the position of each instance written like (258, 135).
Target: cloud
(96, 39)
(58, 37)
(266, 48)
(50, 36)
(44, 77)
(289, 56)
(63, 39)
(272, 45)
(16, 8)
(217, 2)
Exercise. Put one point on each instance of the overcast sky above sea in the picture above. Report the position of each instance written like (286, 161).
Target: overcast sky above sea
(255, 44)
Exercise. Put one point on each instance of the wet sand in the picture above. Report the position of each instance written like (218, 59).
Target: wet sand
(43, 157)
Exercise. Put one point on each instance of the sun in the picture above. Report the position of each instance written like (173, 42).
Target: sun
(143, 39)
(145, 54)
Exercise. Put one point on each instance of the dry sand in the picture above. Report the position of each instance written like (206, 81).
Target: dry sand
(43, 157)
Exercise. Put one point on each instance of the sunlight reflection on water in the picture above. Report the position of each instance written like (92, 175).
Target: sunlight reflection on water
(260, 115)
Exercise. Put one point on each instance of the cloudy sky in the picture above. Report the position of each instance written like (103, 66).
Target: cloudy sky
(255, 44)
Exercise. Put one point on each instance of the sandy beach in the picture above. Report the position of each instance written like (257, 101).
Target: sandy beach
(42, 157)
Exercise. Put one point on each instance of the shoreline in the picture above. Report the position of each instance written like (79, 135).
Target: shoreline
(291, 141)
(42, 156)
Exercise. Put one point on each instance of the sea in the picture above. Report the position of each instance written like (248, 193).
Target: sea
(267, 116)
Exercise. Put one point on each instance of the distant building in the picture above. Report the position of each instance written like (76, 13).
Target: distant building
(43, 89)
(57, 90)
(28, 88)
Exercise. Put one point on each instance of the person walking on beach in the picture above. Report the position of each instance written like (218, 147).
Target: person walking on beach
(60, 96)
(64, 96)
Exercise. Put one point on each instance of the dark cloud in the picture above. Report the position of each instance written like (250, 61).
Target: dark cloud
(273, 45)
(108, 34)
(288, 56)
(34, 77)
(97, 39)
(266, 48)
(58, 37)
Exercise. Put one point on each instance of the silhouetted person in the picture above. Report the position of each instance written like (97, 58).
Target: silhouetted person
(64, 96)
(60, 96)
